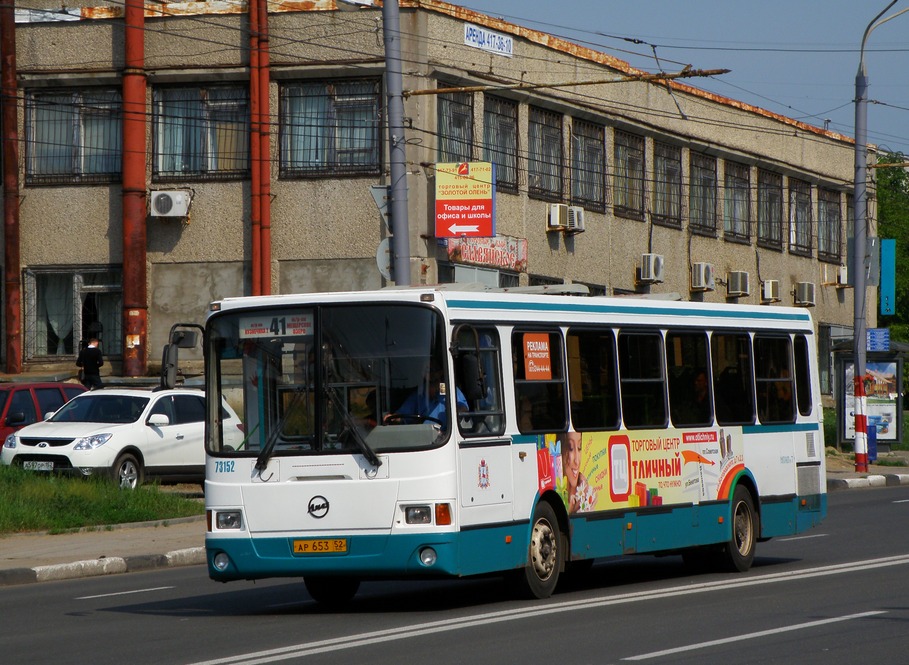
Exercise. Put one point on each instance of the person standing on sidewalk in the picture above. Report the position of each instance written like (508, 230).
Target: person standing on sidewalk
(90, 361)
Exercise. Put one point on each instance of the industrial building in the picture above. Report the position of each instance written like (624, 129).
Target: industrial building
(170, 154)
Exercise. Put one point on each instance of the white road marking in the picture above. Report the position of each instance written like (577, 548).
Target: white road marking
(751, 636)
(125, 593)
(536, 610)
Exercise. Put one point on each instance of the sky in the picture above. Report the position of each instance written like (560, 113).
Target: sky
(798, 58)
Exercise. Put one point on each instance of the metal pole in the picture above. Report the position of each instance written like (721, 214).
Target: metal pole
(858, 265)
(860, 244)
(397, 190)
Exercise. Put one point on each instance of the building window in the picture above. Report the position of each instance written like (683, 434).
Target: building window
(544, 160)
(737, 202)
(667, 184)
(799, 217)
(73, 137)
(829, 221)
(330, 128)
(702, 193)
(500, 140)
(770, 209)
(628, 182)
(64, 308)
(455, 126)
(588, 165)
(201, 132)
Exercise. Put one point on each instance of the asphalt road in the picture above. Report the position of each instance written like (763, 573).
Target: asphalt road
(835, 594)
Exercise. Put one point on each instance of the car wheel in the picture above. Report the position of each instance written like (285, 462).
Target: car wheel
(128, 472)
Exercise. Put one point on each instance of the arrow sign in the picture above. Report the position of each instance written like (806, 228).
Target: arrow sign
(456, 230)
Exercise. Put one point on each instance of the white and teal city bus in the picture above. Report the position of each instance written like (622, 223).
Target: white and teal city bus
(432, 432)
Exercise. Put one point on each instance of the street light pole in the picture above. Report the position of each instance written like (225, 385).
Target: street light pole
(860, 243)
(397, 189)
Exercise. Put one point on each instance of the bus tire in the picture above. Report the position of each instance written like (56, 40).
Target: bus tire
(332, 591)
(545, 555)
(739, 551)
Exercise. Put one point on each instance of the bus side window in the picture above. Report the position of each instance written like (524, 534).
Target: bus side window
(642, 379)
(733, 384)
(773, 379)
(802, 376)
(592, 379)
(689, 379)
(539, 381)
(477, 360)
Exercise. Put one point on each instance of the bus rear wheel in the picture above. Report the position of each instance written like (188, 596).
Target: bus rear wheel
(332, 591)
(545, 555)
(739, 551)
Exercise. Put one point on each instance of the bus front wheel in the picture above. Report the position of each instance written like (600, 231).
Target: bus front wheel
(739, 551)
(545, 555)
(332, 591)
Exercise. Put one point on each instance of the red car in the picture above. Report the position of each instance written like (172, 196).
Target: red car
(22, 404)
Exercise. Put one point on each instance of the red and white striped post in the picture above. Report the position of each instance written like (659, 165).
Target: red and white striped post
(861, 426)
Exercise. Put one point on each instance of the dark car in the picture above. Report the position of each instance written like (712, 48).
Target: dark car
(22, 404)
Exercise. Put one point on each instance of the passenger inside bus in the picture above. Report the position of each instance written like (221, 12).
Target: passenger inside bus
(428, 401)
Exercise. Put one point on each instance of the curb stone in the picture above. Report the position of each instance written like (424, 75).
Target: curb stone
(106, 566)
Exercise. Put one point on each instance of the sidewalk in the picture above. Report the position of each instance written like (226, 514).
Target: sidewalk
(41, 557)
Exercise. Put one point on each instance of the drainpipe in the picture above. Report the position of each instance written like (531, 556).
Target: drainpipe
(12, 269)
(135, 289)
(264, 165)
(255, 184)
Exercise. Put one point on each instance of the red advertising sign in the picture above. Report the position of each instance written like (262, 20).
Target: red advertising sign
(465, 200)
(537, 359)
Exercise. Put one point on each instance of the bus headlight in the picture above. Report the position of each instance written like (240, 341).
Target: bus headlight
(229, 519)
(428, 556)
(221, 561)
(417, 515)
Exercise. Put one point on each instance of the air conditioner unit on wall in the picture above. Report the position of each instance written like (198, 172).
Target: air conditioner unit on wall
(575, 220)
(651, 268)
(738, 284)
(770, 290)
(171, 203)
(804, 294)
(557, 217)
(702, 277)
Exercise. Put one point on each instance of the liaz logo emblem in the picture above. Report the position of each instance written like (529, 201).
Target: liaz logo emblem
(318, 507)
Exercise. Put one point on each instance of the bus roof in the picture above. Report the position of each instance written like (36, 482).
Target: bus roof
(532, 304)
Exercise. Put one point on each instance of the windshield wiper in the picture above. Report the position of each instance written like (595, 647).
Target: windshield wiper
(269, 447)
(351, 426)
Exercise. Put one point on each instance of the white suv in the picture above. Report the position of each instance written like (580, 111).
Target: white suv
(133, 435)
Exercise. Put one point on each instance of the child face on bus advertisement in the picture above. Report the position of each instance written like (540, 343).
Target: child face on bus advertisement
(571, 467)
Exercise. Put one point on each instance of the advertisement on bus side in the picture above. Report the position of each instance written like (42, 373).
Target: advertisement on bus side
(607, 470)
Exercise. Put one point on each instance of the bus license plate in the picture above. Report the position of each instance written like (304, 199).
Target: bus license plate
(321, 546)
(33, 465)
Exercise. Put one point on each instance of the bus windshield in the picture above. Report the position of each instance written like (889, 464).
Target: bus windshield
(331, 379)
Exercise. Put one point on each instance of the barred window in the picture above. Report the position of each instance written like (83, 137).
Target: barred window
(829, 223)
(667, 184)
(702, 194)
(799, 216)
(330, 128)
(737, 212)
(500, 140)
(588, 165)
(628, 182)
(201, 132)
(73, 136)
(770, 209)
(455, 111)
(544, 160)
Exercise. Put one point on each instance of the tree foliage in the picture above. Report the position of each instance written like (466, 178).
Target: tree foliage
(893, 222)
